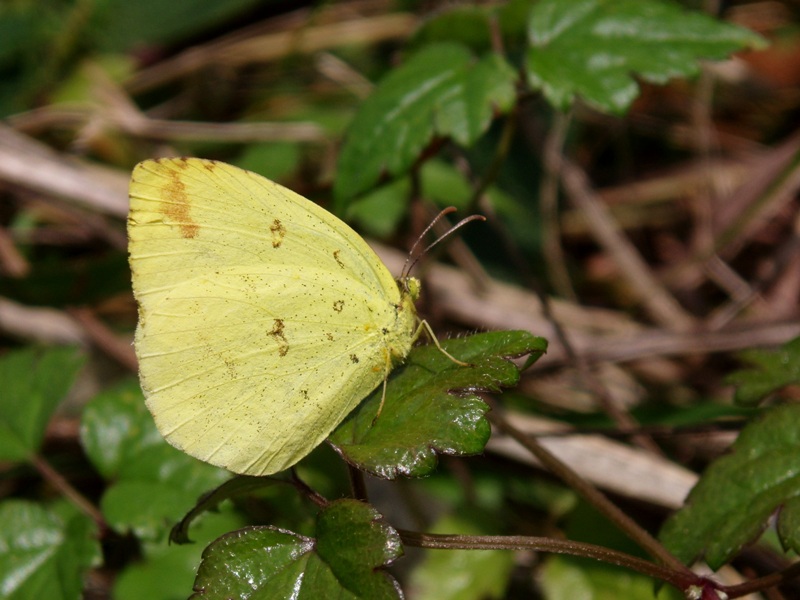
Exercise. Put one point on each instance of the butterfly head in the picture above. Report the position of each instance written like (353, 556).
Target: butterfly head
(409, 286)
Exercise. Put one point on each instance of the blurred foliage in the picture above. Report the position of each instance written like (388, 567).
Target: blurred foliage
(385, 112)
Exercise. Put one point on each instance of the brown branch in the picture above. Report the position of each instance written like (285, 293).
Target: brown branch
(62, 485)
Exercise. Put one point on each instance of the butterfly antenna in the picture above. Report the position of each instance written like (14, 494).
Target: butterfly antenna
(407, 267)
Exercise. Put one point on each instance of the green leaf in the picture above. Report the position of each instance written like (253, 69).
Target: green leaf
(465, 25)
(343, 561)
(471, 574)
(274, 160)
(45, 553)
(567, 578)
(593, 48)
(445, 185)
(26, 33)
(238, 486)
(380, 211)
(441, 91)
(590, 578)
(34, 382)
(353, 541)
(155, 483)
(123, 25)
(19, 33)
(773, 369)
(168, 571)
(477, 26)
(116, 428)
(428, 409)
(737, 495)
(79, 86)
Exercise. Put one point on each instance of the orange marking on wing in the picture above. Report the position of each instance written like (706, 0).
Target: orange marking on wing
(177, 206)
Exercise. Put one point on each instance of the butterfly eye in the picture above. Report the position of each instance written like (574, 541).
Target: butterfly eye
(412, 287)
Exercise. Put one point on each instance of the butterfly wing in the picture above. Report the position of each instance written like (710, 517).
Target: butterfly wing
(263, 318)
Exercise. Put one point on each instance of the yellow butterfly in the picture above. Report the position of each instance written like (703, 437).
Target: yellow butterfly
(263, 319)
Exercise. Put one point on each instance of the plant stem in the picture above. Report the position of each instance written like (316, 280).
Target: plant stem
(65, 487)
(358, 485)
(555, 261)
(503, 147)
(592, 495)
(674, 577)
(762, 583)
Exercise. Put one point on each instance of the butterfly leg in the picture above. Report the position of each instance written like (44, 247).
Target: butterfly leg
(383, 392)
(425, 326)
(383, 395)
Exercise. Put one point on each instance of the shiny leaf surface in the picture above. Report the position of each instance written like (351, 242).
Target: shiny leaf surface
(44, 552)
(431, 407)
(343, 560)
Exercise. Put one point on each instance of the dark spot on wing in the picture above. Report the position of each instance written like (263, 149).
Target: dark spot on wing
(354, 358)
(278, 233)
(336, 254)
(280, 338)
(230, 366)
(338, 306)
